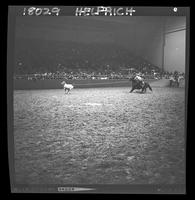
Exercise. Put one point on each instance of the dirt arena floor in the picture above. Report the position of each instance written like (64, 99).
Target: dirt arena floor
(100, 136)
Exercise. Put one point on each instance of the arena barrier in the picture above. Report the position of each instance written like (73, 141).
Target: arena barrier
(56, 84)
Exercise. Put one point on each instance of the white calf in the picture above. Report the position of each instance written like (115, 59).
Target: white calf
(67, 87)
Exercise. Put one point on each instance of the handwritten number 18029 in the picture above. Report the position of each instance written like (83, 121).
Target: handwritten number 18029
(33, 11)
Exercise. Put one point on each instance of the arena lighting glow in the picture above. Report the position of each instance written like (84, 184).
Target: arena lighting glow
(104, 11)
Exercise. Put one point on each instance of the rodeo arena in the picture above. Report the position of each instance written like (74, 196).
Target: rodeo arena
(100, 101)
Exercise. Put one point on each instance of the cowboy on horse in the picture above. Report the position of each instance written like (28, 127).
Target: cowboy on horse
(139, 83)
(139, 79)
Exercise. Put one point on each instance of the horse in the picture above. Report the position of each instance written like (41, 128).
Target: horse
(139, 85)
(67, 87)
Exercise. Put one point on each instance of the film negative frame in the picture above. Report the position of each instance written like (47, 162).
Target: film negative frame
(13, 12)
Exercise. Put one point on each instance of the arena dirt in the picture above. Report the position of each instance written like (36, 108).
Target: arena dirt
(102, 135)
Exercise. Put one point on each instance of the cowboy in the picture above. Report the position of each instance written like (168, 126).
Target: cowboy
(139, 79)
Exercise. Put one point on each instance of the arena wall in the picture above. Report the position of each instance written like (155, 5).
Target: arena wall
(175, 44)
(167, 47)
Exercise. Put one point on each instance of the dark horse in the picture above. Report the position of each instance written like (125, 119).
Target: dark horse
(138, 85)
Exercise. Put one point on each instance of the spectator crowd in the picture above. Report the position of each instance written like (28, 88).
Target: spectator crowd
(122, 73)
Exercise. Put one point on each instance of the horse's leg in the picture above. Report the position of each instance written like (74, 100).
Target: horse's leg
(149, 87)
(132, 89)
(144, 90)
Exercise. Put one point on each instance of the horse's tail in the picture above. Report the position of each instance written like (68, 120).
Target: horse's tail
(149, 86)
